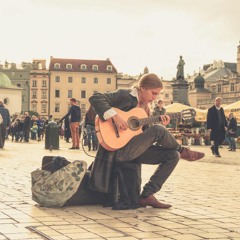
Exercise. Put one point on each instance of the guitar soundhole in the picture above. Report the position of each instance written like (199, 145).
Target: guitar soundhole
(133, 123)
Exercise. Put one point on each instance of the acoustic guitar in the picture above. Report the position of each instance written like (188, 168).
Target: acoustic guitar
(111, 138)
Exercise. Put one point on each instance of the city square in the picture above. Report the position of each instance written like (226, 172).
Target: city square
(119, 120)
(204, 194)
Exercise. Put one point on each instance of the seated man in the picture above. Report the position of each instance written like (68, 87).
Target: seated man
(140, 148)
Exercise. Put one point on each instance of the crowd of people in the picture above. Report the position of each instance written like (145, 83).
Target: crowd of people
(25, 127)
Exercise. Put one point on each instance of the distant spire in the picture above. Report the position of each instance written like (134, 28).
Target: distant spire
(146, 71)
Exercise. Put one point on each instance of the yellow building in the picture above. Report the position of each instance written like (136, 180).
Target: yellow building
(78, 78)
(39, 88)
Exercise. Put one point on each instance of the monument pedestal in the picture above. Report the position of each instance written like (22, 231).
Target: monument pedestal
(180, 91)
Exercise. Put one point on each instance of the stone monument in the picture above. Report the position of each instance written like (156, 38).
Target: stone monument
(180, 85)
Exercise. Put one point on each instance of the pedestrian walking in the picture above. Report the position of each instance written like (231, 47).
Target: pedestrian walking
(6, 122)
(217, 125)
(75, 118)
(27, 126)
(231, 132)
(90, 127)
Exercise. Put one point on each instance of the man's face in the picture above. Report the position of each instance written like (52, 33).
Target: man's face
(149, 95)
(160, 104)
(218, 102)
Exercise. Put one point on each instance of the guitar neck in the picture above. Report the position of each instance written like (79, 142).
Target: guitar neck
(157, 119)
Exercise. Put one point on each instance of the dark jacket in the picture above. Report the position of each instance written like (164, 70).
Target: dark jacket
(75, 113)
(213, 124)
(5, 115)
(27, 123)
(232, 127)
(90, 117)
(157, 111)
(101, 171)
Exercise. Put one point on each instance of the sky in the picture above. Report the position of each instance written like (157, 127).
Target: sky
(132, 33)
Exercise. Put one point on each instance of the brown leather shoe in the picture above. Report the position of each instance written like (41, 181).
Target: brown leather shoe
(152, 201)
(191, 155)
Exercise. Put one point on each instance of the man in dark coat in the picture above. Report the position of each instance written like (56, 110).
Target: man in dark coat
(232, 130)
(5, 123)
(139, 149)
(75, 117)
(27, 126)
(159, 109)
(217, 125)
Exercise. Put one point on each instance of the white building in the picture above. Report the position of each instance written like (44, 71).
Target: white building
(10, 95)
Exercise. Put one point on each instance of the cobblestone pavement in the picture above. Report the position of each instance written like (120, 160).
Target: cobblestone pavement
(205, 196)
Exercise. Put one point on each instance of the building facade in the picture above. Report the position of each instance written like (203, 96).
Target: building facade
(39, 88)
(222, 79)
(10, 95)
(78, 78)
(20, 77)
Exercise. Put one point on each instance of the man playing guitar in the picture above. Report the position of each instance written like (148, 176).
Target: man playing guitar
(140, 148)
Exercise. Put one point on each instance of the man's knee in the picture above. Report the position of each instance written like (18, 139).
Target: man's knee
(175, 156)
(158, 128)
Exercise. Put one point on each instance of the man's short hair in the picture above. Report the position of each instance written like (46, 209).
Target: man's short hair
(160, 101)
(73, 100)
(218, 98)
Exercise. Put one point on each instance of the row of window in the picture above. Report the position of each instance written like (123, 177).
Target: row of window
(43, 107)
(34, 94)
(83, 67)
(70, 80)
(83, 80)
(57, 108)
(34, 83)
(70, 94)
(232, 87)
(57, 94)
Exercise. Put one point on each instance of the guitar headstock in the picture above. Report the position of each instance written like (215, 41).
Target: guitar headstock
(188, 114)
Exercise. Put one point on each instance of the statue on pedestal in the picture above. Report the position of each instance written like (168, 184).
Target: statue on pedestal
(180, 69)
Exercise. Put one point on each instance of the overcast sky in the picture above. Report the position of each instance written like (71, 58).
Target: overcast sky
(132, 33)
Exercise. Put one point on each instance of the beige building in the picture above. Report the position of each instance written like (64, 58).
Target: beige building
(198, 93)
(39, 88)
(78, 78)
(224, 82)
(125, 81)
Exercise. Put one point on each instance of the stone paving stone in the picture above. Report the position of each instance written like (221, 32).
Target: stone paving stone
(128, 230)
(75, 230)
(190, 231)
(111, 234)
(145, 235)
(124, 238)
(186, 237)
(25, 236)
(205, 197)
(87, 235)
(62, 237)
(212, 236)
(7, 220)
(159, 238)
(8, 228)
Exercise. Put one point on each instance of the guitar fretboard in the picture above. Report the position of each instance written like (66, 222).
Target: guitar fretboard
(157, 119)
